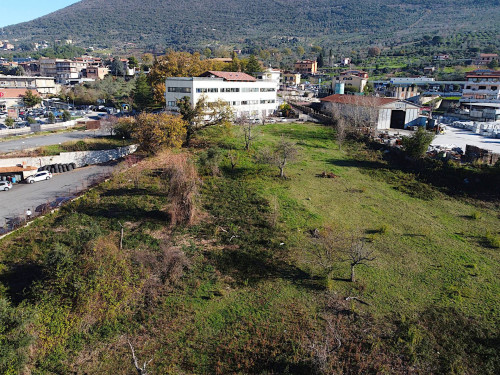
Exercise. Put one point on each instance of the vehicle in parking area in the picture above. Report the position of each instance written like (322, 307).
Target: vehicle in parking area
(5, 185)
(2, 126)
(39, 176)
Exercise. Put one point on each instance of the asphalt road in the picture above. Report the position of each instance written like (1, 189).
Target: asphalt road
(15, 202)
(46, 140)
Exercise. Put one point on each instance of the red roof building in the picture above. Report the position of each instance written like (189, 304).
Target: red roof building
(229, 76)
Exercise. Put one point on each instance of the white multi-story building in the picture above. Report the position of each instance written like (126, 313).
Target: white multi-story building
(481, 95)
(482, 86)
(247, 95)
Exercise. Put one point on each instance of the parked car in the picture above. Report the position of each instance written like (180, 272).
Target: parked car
(40, 176)
(2, 126)
(5, 185)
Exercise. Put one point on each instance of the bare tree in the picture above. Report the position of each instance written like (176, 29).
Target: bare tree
(341, 125)
(280, 155)
(358, 112)
(357, 254)
(249, 130)
(140, 370)
(335, 245)
(109, 124)
(233, 157)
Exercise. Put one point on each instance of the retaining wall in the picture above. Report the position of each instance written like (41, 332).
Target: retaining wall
(80, 158)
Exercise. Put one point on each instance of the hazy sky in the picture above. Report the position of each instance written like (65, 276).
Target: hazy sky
(12, 12)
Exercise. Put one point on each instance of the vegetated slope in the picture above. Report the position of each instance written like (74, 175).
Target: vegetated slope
(238, 291)
(193, 23)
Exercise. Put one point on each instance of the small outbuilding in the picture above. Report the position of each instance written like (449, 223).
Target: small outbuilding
(385, 113)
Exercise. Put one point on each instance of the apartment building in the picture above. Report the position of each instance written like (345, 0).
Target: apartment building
(352, 78)
(482, 85)
(481, 95)
(247, 95)
(64, 71)
(306, 67)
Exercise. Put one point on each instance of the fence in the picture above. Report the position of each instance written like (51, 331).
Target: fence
(37, 128)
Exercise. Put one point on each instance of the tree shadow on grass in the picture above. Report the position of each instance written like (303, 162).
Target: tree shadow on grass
(363, 164)
(252, 267)
(124, 212)
(19, 278)
(123, 192)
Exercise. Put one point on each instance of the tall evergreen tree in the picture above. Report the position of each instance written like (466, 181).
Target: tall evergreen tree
(143, 93)
(253, 65)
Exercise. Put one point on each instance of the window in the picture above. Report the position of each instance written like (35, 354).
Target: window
(179, 89)
(482, 87)
(267, 101)
(267, 89)
(235, 103)
(172, 104)
(494, 87)
(204, 90)
(230, 89)
(249, 89)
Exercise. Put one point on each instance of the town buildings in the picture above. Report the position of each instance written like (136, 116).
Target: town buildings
(43, 85)
(247, 95)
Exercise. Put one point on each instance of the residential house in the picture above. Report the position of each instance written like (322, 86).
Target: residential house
(485, 58)
(291, 79)
(442, 57)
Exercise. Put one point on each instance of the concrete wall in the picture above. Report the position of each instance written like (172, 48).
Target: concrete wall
(80, 158)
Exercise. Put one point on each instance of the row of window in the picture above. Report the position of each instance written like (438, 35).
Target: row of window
(482, 88)
(234, 103)
(214, 89)
(180, 89)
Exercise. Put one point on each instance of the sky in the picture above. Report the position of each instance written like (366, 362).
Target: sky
(12, 12)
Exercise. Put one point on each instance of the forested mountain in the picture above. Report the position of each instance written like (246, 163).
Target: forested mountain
(197, 23)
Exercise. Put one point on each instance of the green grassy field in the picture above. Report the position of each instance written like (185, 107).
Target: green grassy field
(239, 292)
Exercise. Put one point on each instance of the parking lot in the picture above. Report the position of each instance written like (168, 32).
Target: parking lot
(15, 203)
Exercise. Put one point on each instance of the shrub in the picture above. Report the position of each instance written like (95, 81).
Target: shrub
(416, 146)
(124, 127)
(209, 161)
(476, 215)
(492, 240)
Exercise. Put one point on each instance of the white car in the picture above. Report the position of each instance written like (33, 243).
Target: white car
(40, 176)
(5, 185)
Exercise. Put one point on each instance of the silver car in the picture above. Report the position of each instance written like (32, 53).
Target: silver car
(5, 185)
(40, 176)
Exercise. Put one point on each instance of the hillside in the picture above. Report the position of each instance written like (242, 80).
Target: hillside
(194, 24)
